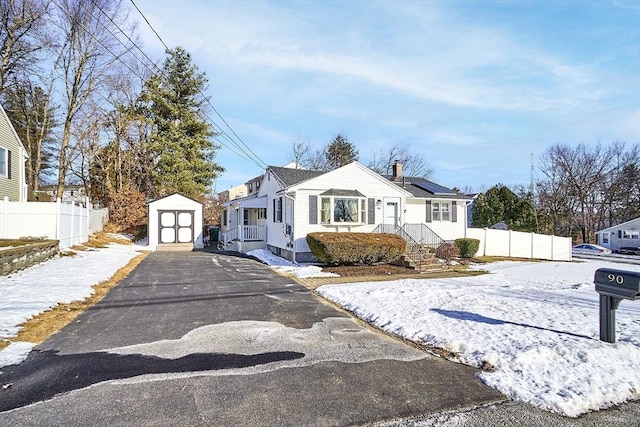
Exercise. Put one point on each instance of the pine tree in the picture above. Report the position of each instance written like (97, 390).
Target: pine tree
(180, 142)
(340, 152)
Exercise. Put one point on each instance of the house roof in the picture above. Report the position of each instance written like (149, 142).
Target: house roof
(290, 176)
(252, 201)
(619, 225)
(423, 188)
(342, 193)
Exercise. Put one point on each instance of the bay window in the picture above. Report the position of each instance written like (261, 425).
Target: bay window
(342, 207)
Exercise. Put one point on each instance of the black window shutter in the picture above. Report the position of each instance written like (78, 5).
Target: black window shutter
(619, 234)
(371, 211)
(428, 210)
(454, 212)
(313, 209)
(9, 164)
(274, 210)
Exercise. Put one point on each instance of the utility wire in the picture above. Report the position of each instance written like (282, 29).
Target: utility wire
(206, 98)
(117, 57)
(250, 155)
(217, 129)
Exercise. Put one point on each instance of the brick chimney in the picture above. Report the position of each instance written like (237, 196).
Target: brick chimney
(397, 169)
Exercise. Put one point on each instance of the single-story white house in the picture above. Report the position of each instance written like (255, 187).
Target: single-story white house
(290, 203)
(175, 223)
(621, 235)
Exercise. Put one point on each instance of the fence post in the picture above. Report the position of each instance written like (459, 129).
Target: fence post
(89, 207)
(58, 220)
(5, 216)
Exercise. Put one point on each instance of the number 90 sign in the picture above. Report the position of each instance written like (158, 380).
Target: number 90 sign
(615, 278)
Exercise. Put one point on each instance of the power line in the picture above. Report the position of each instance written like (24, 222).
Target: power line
(247, 155)
(217, 129)
(253, 155)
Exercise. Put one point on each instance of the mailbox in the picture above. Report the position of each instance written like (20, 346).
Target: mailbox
(614, 286)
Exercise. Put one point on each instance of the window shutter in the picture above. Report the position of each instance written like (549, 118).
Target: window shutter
(619, 234)
(313, 209)
(9, 164)
(371, 208)
(454, 212)
(274, 210)
(429, 211)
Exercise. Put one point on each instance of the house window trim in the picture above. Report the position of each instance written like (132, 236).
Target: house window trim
(323, 212)
(4, 152)
(438, 213)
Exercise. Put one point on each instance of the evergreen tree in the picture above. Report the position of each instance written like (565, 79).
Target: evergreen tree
(340, 152)
(180, 141)
(499, 203)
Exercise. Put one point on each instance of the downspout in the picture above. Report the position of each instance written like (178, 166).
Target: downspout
(293, 241)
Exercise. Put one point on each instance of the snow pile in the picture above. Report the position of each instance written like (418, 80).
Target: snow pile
(287, 267)
(536, 324)
(60, 280)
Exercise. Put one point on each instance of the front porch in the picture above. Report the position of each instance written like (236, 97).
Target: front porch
(244, 238)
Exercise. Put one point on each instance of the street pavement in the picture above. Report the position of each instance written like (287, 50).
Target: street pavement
(211, 339)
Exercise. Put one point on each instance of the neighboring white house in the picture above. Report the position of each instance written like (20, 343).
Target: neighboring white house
(12, 162)
(291, 203)
(625, 234)
(175, 223)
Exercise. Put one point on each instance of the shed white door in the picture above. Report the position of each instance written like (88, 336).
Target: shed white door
(176, 226)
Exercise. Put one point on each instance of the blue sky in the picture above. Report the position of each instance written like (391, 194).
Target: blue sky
(475, 86)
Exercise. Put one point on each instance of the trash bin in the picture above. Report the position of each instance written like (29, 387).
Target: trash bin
(213, 235)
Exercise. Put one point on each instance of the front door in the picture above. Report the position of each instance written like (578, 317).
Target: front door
(391, 214)
(176, 226)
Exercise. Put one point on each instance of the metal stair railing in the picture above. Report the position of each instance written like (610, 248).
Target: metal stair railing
(414, 250)
(423, 235)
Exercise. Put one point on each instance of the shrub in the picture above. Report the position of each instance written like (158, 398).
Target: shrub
(128, 212)
(468, 247)
(447, 251)
(355, 248)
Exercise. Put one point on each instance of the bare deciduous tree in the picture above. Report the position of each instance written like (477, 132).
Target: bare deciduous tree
(88, 53)
(413, 163)
(21, 37)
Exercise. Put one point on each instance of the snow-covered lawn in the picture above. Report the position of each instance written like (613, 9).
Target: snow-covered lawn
(59, 280)
(536, 324)
(284, 266)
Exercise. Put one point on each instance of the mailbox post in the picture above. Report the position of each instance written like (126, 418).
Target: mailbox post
(614, 286)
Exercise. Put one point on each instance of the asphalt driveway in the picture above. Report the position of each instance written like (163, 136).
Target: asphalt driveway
(209, 339)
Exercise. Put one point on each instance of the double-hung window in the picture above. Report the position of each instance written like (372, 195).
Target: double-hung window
(440, 210)
(4, 163)
(277, 209)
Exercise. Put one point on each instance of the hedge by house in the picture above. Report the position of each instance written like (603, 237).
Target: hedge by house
(355, 248)
(468, 247)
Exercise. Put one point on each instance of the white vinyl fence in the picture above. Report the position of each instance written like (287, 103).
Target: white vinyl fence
(71, 224)
(521, 245)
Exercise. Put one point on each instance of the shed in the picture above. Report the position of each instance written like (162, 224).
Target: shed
(175, 224)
